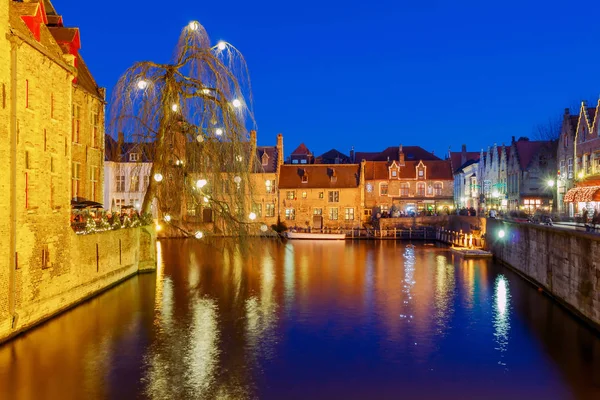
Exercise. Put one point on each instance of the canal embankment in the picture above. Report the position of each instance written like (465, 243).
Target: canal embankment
(564, 263)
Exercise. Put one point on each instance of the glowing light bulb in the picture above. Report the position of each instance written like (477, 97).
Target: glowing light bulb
(167, 218)
(501, 233)
(580, 174)
(221, 45)
(237, 179)
(200, 183)
(550, 183)
(142, 84)
(239, 158)
(175, 107)
(252, 216)
(158, 227)
(198, 235)
(205, 199)
(194, 25)
(263, 228)
(219, 131)
(236, 103)
(199, 138)
(158, 177)
(205, 91)
(137, 205)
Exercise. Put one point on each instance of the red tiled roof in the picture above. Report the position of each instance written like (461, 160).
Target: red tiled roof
(319, 176)
(331, 156)
(301, 150)
(456, 157)
(436, 169)
(63, 35)
(392, 153)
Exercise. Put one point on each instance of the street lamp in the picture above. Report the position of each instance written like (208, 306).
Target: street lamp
(550, 184)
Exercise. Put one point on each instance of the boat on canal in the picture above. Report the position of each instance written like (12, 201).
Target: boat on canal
(315, 235)
(471, 253)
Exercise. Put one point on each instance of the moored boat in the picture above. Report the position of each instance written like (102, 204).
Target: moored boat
(315, 236)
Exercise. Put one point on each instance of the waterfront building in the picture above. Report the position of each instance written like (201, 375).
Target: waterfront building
(493, 176)
(265, 180)
(334, 156)
(585, 195)
(321, 195)
(405, 187)
(530, 168)
(565, 157)
(127, 170)
(465, 166)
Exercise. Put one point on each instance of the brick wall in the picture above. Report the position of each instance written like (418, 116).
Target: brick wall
(95, 263)
(560, 261)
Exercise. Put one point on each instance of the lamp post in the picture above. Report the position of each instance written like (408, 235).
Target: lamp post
(550, 184)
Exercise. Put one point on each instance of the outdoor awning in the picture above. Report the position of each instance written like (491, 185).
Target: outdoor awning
(583, 194)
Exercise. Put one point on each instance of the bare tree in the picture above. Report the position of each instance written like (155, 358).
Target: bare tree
(549, 130)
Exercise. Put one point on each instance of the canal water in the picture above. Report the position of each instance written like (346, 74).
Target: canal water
(309, 320)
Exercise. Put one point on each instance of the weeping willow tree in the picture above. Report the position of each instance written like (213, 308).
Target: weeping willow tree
(191, 117)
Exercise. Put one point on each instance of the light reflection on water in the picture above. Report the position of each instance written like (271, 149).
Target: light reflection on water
(309, 320)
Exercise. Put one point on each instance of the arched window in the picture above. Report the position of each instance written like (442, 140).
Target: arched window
(437, 188)
(421, 189)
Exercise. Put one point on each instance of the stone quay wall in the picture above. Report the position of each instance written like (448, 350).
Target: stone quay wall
(563, 262)
(95, 262)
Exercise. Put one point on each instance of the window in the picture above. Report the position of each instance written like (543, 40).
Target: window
(394, 173)
(333, 213)
(383, 189)
(334, 196)
(333, 179)
(290, 214)
(437, 188)
(191, 208)
(421, 173)
(294, 161)
(257, 209)
(404, 187)
(561, 167)
(75, 174)
(52, 164)
(588, 164)
(207, 215)
(120, 181)
(420, 189)
(265, 159)
(76, 120)
(349, 214)
(304, 178)
(45, 257)
(367, 213)
(93, 182)
(146, 182)
(317, 211)
(570, 168)
(270, 186)
(95, 129)
(28, 161)
(321, 195)
(429, 190)
(134, 183)
(270, 209)
(134, 157)
(120, 203)
(302, 161)
(290, 195)
(303, 195)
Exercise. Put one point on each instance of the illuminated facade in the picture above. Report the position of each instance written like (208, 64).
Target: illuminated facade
(465, 168)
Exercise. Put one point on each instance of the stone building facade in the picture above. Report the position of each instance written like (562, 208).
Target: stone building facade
(408, 187)
(51, 128)
(565, 158)
(465, 167)
(319, 196)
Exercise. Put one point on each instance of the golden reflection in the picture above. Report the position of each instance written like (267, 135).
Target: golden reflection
(289, 275)
(468, 268)
(444, 293)
(202, 350)
(501, 315)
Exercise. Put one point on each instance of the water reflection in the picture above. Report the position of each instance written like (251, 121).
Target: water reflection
(309, 320)
(501, 316)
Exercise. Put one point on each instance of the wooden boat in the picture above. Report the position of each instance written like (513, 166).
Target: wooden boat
(471, 253)
(315, 236)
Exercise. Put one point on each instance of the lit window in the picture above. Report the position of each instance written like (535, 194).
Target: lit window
(304, 178)
(257, 209)
(420, 189)
(93, 182)
(394, 173)
(270, 209)
(270, 186)
(317, 211)
(349, 214)
(134, 183)
(333, 213)
(290, 195)
(134, 157)
(321, 195)
(290, 214)
(404, 188)
(75, 176)
(303, 195)
(265, 159)
(120, 184)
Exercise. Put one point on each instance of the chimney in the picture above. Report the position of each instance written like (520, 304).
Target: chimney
(463, 155)
(279, 149)
(567, 112)
(352, 154)
(252, 150)
(400, 156)
(513, 139)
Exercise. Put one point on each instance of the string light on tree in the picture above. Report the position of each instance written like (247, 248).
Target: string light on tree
(236, 103)
(194, 25)
(175, 107)
(263, 228)
(158, 177)
(198, 235)
(199, 138)
(167, 218)
(218, 131)
(142, 84)
(221, 45)
(237, 180)
(205, 199)
(252, 216)
(200, 183)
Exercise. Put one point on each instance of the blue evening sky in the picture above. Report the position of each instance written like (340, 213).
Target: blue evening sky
(372, 74)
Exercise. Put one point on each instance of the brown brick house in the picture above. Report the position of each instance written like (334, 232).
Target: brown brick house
(320, 195)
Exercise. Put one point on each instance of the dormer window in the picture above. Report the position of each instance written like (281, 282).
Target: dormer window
(134, 157)
(265, 159)
(304, 178)
(394, 173)
(333, 176)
